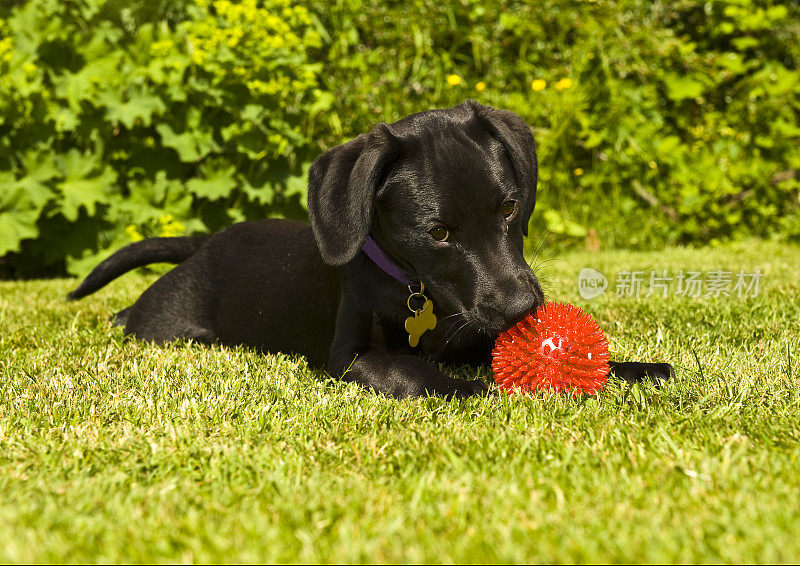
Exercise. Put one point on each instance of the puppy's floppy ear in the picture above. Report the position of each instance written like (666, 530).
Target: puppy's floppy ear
(341, 192)
(516, 137)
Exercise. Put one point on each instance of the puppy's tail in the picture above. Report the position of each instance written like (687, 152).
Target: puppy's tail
(153, 250)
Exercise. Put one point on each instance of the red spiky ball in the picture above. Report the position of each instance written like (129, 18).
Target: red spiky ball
(558, 347)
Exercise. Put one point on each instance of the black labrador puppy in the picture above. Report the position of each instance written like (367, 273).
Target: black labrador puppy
(414, 252)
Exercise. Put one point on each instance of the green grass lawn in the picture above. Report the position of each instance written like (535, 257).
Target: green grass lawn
(113, 451)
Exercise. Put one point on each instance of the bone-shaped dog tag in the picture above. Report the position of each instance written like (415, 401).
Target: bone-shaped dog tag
(422, 321)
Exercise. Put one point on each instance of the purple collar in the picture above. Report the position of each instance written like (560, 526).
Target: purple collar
(377, 255)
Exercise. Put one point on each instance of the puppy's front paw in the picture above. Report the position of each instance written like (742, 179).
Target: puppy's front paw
(408, 376)
(449, 388)
(634, 372)
(462, 388)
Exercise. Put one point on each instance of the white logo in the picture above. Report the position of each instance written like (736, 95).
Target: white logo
(549, 343)
(591, 283)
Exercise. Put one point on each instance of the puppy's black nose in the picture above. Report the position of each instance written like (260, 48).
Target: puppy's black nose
(516, 309)
(526, 298)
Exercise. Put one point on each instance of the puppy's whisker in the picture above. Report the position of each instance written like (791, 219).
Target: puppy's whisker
(442, 319)
(462, 316)
(544, 239)
(453, 323)
(539, 262)
(459, 329)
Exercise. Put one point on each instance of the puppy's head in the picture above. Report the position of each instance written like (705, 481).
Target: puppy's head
(447, 194)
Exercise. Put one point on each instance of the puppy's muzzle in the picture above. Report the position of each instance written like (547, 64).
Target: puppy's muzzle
(511, 299)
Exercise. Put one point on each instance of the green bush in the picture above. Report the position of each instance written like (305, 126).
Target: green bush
(112, 129)
(656, 122)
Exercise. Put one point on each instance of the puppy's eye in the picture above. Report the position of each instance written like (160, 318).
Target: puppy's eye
(508, 208)
(439, 234)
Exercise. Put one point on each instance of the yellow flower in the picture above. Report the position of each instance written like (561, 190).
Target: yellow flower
(538, 84)
(5, 45)
(564, 83)
(133, 233)
(170, 227)
(161, 48)
(453, 80)
(578, 172)
(480, 87)
(653, 165)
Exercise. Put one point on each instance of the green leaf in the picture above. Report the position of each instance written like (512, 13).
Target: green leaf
(64, 119)
(215, 184)
(263, 195)
(150, 199)
(560, 225)
(40, 165)
(324, 101)
(191, 146)
(77, 165)
(84, 84)
(744, 43)
(732, 62)
(680, 88)
(25, 193)
(8, 182)
(15, 226)
(780, 80)
(83, 188)
(298, 185)
(19, 213)
(84, 193)
(252, 113)
(36, 194)
(141, 107)
(666, 146)
(785, 129)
